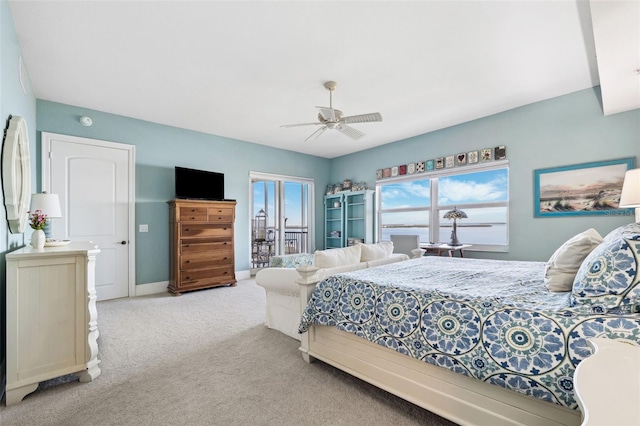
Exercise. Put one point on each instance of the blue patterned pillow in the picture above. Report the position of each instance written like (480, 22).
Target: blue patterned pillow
(608, 278)
(626, 231)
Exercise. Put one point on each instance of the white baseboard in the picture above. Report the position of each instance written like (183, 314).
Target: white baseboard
(243, 275)
(161, 287)
(151, 288)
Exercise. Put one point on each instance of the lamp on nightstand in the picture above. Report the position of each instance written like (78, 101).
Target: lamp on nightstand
(630, 196)
(455, 214)
(48, 204)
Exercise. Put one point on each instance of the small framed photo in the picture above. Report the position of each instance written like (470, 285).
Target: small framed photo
(402, 170)
(440, 163)
(430, 165)
(500, 152)
(461, 159)
(449, 161)
(420, 166)
(472, 157)
(411, 168)
(379, 174)
(485, 154)
(386, 172)
(394, 171)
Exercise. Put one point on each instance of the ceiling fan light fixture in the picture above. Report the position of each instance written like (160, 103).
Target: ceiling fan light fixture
(330, 118)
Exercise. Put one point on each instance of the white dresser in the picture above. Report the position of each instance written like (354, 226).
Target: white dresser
(52, 327)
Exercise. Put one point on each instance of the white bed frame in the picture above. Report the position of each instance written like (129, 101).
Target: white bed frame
(459, 398)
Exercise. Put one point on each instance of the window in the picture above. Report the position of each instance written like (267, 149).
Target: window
(416, 204)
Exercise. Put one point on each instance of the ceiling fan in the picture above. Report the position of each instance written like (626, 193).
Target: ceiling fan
(330, 118)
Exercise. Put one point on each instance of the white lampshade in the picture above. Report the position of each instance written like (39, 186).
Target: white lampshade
(48, 204)
(630, 196)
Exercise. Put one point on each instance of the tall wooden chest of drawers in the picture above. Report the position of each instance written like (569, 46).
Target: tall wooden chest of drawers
(202, 252)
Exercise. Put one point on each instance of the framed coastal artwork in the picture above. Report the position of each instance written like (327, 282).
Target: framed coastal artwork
(581, 189)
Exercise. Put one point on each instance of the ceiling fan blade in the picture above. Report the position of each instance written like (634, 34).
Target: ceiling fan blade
(329, 114)
(317, 133)
(362, 118)
(349, 131)
(300, 124)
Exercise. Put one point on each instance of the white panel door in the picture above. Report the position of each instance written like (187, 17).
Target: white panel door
(93, 183)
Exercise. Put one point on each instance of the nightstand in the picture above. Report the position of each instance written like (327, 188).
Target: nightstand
(607, 384)
(438, 249)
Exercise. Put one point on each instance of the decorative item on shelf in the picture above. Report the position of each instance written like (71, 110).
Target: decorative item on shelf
(630, 196)
(260, 225)
(37, 222)
(49, 205)
(455, 214)
(359, 186)
(329, 190)
(346, 185)
(336, 204)
(337, 188)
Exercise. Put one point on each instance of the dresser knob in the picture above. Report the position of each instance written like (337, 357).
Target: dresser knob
(188, 261)
(186, 229)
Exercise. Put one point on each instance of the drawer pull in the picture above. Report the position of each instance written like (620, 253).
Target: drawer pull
(186, 229)
(186, 278)
(219, 218)
(193, 210)
(186, 245)
(225, 272)
(188, 261)
(193, 218)
(225, 258)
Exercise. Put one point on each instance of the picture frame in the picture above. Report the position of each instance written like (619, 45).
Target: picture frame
(581, 189)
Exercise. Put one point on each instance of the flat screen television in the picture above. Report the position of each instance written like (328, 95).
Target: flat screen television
(199, 184)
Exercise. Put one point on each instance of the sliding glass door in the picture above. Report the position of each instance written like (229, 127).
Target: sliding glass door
(281, 217)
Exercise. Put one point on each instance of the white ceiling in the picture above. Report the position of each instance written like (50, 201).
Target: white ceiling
(241, 69)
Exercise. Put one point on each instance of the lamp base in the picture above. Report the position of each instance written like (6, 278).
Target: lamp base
(454, 239)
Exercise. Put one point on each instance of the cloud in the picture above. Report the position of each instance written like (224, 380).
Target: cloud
(469, 191)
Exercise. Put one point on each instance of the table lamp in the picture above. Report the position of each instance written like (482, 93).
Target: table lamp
(630, 196)
(455, 214)
(48, 204)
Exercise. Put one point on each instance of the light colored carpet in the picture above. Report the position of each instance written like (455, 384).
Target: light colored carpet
(206, 358)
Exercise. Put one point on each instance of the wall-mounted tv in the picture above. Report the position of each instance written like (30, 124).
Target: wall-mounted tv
(199, 184)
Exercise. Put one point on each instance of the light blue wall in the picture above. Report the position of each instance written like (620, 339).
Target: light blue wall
(566, 130)
(158, 149)
(13, 101)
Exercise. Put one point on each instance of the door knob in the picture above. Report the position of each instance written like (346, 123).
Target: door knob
(123, 242)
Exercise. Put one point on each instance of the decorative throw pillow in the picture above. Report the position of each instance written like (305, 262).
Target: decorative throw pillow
(608, 278)
(376, 251)
(337, 257)
(625, 231)
(561, 269)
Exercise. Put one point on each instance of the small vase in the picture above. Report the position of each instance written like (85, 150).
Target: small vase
(38, 239)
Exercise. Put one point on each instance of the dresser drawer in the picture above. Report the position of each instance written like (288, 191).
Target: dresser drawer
(206, 260)
(220, 215)
(198, 247)
(206, 276)
(212, 230)
(193, 214)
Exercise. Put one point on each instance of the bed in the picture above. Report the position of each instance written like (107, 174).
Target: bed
(475, 341)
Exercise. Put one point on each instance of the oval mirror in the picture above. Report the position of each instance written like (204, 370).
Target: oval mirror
(16, 174)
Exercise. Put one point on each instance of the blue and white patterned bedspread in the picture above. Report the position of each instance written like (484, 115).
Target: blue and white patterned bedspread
(489, 319)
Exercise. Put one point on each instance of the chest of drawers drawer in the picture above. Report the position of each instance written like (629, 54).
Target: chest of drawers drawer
(206, 259)
(206, 230)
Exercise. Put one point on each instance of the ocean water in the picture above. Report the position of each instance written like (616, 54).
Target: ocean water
(492, 234)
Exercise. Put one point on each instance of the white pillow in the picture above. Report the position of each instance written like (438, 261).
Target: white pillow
(337, 257)
(562, 267)
(376, 251)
